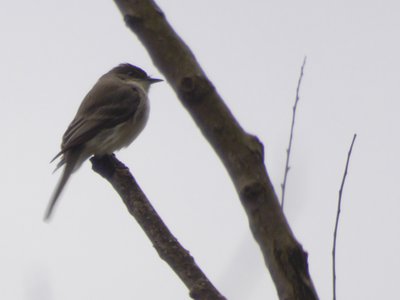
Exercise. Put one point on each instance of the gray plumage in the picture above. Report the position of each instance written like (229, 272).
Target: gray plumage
(110, 117)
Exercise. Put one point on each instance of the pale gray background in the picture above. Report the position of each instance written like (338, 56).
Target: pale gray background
(51, 54)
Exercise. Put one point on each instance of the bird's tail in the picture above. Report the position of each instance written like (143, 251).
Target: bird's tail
(68, 170)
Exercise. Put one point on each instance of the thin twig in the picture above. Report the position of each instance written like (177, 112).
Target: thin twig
(337, 218)
(167, 246)
(289, 148)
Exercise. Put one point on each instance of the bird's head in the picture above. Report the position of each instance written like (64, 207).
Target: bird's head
(131, 73)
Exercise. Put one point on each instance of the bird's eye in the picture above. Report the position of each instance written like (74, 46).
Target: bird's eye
(130, 74)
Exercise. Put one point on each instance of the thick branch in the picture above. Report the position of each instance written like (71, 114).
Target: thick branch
(163, 241)
(241, 153)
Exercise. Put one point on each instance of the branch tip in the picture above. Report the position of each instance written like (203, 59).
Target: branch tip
(338, 216)
(289, 148)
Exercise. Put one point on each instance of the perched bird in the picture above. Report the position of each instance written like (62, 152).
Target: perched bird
(109, 118)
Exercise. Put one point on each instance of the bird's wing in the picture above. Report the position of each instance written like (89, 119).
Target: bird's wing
(102, 108)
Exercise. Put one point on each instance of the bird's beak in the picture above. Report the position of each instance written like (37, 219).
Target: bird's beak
(154, 80)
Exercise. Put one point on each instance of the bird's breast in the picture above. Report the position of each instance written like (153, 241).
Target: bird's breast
(122, 135)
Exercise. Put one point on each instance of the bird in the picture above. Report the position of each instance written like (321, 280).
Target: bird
(110, 117)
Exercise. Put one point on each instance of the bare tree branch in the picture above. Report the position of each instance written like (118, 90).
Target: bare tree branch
(289, 148)
(167, 246)
(241, 153)
(337, 217)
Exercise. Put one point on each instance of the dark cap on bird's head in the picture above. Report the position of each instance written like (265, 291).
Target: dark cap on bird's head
(131, 71)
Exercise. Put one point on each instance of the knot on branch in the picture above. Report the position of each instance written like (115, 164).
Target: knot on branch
(298, 258)
(252, 193)
(256, 147)
(187, 84)
(132, 20)
(106, 165)
(294, 263)
(195, 89)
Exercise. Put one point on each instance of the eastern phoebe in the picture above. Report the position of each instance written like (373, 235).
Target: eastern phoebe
(109, 118)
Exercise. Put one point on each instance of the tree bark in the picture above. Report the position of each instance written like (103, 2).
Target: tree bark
(167, 246)
(241, 153)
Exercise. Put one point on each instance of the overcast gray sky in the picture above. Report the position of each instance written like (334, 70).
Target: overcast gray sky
(53, 52)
